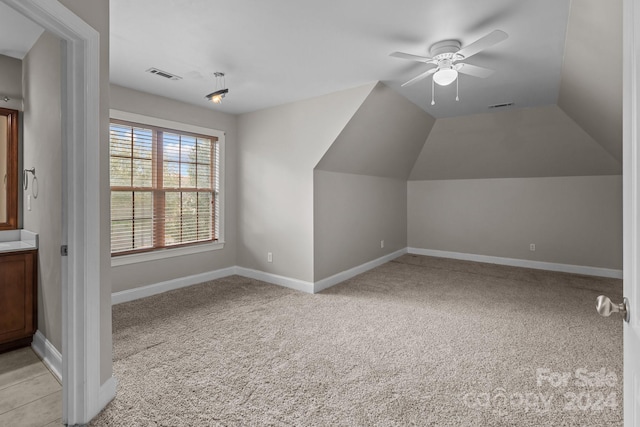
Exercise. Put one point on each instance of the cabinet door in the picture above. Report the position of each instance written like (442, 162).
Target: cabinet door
(17, 314)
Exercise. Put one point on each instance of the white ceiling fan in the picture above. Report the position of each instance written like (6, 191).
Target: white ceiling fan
(449, 57)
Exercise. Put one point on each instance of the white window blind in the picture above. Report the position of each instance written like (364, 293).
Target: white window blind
(164, 187)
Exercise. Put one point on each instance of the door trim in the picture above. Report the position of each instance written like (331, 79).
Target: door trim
(81, 215)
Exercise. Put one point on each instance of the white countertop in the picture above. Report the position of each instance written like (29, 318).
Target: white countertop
(18, 240)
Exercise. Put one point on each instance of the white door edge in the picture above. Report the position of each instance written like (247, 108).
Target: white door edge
(631, 207)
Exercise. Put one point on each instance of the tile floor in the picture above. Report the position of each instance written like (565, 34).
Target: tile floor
(30, 396)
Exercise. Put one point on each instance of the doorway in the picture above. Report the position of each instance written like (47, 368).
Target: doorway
(84, 393)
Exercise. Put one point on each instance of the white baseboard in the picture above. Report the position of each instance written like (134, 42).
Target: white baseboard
(538, 265)
(315, 287)
(287, 282)
(169, 285)
(182, 282)
(52, 359)
(107, 391)
(323, 284)
(50, 355)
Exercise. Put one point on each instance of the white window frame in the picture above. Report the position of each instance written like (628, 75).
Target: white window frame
(195, 248)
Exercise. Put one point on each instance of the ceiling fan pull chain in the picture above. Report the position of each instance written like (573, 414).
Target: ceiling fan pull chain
(457, 82)
(433, 101)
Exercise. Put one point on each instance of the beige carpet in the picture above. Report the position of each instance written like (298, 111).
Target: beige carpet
(418, 341)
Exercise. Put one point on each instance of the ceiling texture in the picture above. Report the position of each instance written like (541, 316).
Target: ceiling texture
(284, 50)
(559, 52)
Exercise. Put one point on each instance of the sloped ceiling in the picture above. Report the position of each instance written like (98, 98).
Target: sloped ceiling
(580, 136)
(383, 138)
(531, 142)
(591, 85)
(18, 33)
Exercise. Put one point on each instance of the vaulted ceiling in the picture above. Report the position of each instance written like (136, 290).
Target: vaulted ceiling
(282, 51)
(559, 52)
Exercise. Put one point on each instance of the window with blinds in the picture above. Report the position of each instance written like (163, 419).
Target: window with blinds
(164, 187)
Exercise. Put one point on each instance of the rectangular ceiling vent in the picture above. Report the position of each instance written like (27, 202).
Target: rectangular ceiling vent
(163, 74)
(508, 104)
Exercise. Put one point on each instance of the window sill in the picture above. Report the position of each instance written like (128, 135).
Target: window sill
(117, 261)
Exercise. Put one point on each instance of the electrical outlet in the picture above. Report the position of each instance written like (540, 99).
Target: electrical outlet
(28, 202)
(532, 247)
(381, 244)
(269, 257)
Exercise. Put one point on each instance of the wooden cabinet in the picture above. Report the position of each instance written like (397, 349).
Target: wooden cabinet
(18, 298)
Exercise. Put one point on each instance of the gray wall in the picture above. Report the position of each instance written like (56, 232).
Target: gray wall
(515, 143)
(360, 194)
(352, 214)
(11, 82)
(572, 220)
(141, 274)
(383, 138)
(278, 150)
(43, 150)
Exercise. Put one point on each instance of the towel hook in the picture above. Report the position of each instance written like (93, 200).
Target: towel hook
(25, 177)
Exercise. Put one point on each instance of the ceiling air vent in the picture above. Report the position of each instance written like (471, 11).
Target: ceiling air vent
(163, 74)
(508, 104)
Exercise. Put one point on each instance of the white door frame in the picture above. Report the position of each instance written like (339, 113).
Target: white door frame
(80, 84)
(631, 209)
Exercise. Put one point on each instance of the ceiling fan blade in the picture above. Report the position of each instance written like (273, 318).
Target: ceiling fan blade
(474, 70)
(410, 57)
(481, 44)
(419, 77)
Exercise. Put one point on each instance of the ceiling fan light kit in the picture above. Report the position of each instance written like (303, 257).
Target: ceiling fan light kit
(445, 76)
(445, 54)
